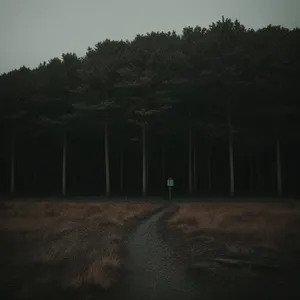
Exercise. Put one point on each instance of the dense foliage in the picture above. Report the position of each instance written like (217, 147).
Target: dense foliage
(215, 108)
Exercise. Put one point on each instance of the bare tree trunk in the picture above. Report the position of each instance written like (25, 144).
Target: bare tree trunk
(251, 175)
(230, 146)
(251, 171)
(144, 179)
(12, 166)
(122, 171)
(147, 161)
(259, 181)
(278, 168)
(64, 157)
(190, 159)
(230, 150)
(163, 167)
(195, 171)
(209, 168)
(107, 174)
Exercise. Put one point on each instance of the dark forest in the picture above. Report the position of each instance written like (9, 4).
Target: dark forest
(214, 108)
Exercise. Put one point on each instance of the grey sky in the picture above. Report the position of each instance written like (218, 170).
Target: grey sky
(33, 31)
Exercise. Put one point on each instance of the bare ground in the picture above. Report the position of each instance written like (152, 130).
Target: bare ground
(63, 250)
(266, 236)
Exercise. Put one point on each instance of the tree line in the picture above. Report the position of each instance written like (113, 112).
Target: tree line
(214, 108)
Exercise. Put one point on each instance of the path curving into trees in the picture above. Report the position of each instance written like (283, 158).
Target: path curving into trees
(151, 267)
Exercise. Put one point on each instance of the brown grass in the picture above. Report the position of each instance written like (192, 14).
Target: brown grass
(62, 245)
(275, 226)
(265, 234)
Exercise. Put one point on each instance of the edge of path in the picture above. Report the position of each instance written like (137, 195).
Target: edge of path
(167, 233)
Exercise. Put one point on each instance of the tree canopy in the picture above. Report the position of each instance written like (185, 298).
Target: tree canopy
(193, 92)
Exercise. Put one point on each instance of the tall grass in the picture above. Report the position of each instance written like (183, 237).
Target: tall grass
(269, 225)
(62, 245)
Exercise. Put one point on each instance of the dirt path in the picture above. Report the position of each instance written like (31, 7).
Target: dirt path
(151, 268)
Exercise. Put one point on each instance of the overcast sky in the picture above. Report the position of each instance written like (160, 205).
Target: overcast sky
(33, 31)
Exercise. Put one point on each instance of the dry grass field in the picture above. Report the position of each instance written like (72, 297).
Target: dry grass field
(270, 226)
(49, 250)
(240, 251)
